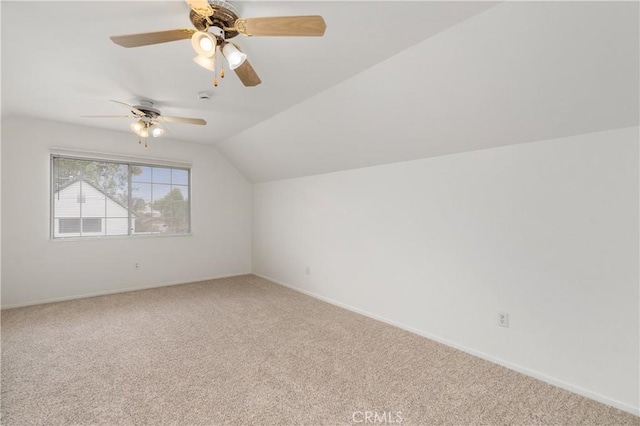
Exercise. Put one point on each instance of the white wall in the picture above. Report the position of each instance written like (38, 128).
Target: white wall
(547, 231)
(37, 269)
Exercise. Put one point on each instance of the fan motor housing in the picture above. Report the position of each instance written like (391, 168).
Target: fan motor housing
(148, 111)
(224, 16)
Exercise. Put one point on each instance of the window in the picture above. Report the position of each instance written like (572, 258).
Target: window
(91, 197)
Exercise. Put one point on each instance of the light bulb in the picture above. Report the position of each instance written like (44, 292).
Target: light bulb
(204, 43)
(137, 126)
(233, 55)
(144, 133)
(156, 131)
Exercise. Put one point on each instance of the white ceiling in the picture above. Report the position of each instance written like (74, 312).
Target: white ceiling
(59, 63)
(390, 81)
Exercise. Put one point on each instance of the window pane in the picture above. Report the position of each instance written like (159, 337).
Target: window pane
(66, 201)
(179, 177)
(92, 225)
(184, 190)
(66, 171)
(116, 226)
(160, 191)
(94, 202)
(149, 225)
(161, 175)
(140, 174)
(141, 191)
(171, 209)
(70, 226)
(177, 222)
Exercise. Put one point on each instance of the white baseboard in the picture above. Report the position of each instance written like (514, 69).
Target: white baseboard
(540, 376)
(121, 290)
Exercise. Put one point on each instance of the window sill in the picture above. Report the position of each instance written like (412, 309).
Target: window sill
(117, 237)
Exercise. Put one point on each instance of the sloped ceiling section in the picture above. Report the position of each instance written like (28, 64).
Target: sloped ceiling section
(519, 72)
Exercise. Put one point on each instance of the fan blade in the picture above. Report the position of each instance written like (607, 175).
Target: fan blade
(247, 74)
(108, 116)
(282, 26)
(130, 108)
(201, 7)
(145, 39)
(184, 120)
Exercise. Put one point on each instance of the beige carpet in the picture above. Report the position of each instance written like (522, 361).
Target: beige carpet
(246, 351)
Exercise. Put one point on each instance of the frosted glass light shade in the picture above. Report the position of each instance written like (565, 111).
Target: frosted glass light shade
(137, 127)
(205, 62)
(233, 55)
(156, 131)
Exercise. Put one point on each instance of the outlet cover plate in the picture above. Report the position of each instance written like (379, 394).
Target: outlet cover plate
(503, 319)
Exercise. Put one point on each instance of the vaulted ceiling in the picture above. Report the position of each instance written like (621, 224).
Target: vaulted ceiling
(390, 81)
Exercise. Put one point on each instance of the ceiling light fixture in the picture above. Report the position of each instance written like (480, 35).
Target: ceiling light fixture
(234, 56)
(204, 43)
(149, 119)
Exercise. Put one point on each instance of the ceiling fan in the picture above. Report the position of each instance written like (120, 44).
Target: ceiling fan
(149, 120)
(217, 21)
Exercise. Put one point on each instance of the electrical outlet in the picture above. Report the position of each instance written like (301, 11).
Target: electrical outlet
(503, 319)
(137, 265)
(307, 270)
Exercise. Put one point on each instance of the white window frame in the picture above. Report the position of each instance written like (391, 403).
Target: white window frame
(123, 160)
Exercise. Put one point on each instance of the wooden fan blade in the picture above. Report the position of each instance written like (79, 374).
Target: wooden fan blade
(247, 74)
(312, 25)
(145, 39)
(184, 120)
(108, 116)
(130, 108)
(201, 7)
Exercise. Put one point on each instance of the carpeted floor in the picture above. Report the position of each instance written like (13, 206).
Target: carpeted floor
(246, 351)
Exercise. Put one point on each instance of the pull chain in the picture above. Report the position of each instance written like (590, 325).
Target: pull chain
(221, 65)
(215, 77)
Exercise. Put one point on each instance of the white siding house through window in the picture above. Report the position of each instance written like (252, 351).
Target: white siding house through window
(81, 209)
